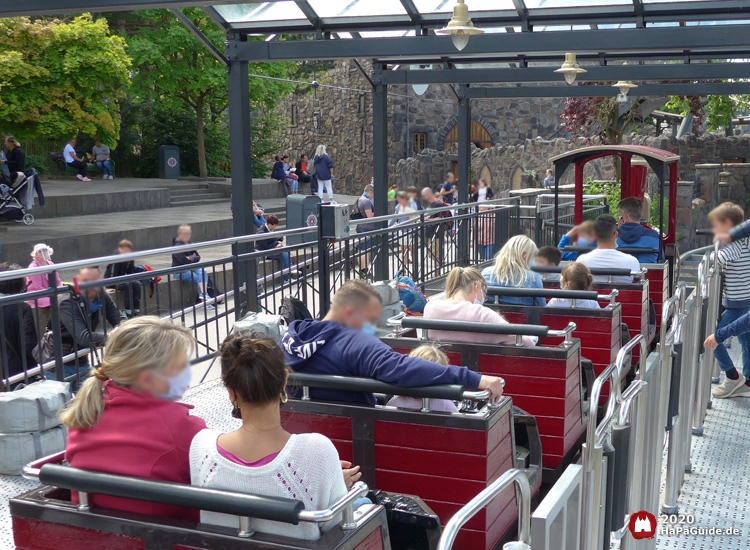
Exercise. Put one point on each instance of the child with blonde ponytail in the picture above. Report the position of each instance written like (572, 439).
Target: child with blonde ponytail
(124, 419)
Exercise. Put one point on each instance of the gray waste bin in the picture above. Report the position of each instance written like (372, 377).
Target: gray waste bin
(302, 211)
(169, 162)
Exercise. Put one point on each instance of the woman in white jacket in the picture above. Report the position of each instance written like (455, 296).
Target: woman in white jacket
(261, 457)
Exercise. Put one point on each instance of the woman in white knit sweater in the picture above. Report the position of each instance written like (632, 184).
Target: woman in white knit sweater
(261, 457)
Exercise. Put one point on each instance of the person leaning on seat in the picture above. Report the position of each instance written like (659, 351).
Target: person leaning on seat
(344, 343)
(74, 161)
(261, 457)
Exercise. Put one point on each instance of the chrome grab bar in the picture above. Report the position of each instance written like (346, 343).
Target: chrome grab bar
(476, 504)
(611, 296)
(31, 470)
(344, 504)
(565, 333)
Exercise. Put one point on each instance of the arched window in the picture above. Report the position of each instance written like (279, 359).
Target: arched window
(479, 136)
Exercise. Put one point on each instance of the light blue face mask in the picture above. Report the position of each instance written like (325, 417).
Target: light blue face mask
(369, 328)
(178, 385)
(584, 242)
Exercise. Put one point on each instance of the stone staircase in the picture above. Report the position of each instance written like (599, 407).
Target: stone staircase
(193, 194)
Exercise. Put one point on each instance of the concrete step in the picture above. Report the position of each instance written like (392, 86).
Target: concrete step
(196, 196)
(187, 190)
(193, 202)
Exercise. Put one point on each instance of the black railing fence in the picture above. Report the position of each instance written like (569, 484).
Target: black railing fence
(77, 316)
(538, 220)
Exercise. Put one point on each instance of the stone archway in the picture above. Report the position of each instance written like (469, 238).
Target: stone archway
(486, 175)
(483, 134)
(516, 180)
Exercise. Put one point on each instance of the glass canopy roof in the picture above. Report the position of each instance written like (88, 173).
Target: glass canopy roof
(360, 18)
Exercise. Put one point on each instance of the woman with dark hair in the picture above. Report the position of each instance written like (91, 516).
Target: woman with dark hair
(15, 159)
(19, 330)
(261, 457)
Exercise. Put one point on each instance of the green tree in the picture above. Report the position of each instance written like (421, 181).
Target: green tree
(176, 71)
(60, 78)
(709, 112)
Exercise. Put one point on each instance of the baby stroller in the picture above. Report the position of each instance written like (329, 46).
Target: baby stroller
(16, 200)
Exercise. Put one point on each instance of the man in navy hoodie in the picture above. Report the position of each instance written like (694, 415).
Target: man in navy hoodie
(633, 234)
(344, 344)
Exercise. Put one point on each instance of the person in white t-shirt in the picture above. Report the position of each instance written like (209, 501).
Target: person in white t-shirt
(606, 256)
(74, 161)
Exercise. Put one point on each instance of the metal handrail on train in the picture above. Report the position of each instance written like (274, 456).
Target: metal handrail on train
(613, 272)
(519, 331)
(245, 506)
(553, 293)
(475, 505)
(452, 392)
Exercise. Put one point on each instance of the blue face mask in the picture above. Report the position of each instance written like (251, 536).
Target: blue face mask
(369, 328)
(178, 385)
(584, 242)
(95, 306)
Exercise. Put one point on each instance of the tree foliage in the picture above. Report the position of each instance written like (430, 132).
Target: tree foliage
(60, 78)
(709, 112)
(588, 117)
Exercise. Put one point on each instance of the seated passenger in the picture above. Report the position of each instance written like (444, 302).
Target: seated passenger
(466, 291)
(581, 235)
(575, 276)
(428, 352)
(634, 234)
(511, 269)
(261, 457)
(124, 420)
(344, 343)
(606, 256)
(18, 329)
(548, 256)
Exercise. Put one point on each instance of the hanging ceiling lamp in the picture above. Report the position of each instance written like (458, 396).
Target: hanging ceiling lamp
(460, 26)
(570, 68)
(624, 86)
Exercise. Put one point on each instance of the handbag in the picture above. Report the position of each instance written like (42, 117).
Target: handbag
(44, 351)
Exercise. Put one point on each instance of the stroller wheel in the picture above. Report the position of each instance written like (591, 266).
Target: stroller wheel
(28, 219)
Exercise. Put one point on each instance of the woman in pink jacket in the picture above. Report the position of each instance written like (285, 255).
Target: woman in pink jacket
(41, 255)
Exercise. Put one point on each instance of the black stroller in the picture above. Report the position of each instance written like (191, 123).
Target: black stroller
(16, 200)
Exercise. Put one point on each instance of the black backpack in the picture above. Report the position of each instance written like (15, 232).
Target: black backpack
(293, 309)
(355, 214)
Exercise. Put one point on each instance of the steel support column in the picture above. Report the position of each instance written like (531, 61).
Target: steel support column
(380, 171)
(464, 171)
(242, 180)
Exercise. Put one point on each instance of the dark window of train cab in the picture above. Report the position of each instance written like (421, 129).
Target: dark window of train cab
(419, 142)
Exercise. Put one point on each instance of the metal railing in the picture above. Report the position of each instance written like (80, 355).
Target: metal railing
(243, 279)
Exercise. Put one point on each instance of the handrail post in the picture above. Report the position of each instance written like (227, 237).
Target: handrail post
(54, 304)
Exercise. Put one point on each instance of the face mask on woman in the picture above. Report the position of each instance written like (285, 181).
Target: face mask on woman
(369, 328)
(178, 384)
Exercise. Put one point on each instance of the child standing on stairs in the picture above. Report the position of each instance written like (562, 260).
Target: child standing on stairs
(735, 261)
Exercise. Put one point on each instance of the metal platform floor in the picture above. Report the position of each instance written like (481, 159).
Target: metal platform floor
(716, 493)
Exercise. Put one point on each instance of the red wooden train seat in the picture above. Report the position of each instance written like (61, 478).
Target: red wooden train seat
(446, 459)
(658, 281)
(597, 329)
(46, 519)
(546, 381)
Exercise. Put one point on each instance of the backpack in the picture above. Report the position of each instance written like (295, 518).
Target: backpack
(152, 282)
(355, 214)
(411, 296)
(273, 326)
(293, 309)
(447, 214)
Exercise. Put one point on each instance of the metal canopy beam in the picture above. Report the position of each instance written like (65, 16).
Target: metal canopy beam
(195, 31)
(607, 73)
(50, 7)
(715, 38)
(412, 10)
(704, 88)
(309, 12)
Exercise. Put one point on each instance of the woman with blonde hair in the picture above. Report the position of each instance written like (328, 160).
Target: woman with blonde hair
(323, 172)
(124, 419)
(466, 291)
(511, 269)
(41, 256)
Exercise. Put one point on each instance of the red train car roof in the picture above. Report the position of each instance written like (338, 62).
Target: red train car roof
(641, 150)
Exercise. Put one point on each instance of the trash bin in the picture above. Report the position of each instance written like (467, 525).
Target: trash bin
(302, 211)
(169, 162)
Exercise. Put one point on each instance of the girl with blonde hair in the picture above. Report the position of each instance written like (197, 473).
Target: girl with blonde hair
(466, 291)
(432, 353)
(124, 420)
(512, 269)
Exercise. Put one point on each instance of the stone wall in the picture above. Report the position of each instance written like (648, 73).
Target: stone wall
(341, 118)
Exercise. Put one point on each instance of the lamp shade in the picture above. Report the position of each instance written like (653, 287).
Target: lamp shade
(624, 86)
(570, 68)
(460, 27)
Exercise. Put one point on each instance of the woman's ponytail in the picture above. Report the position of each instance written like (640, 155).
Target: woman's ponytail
(87, 407)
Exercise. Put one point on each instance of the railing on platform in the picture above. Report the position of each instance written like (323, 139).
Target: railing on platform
(538, 220)
(426, 247)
